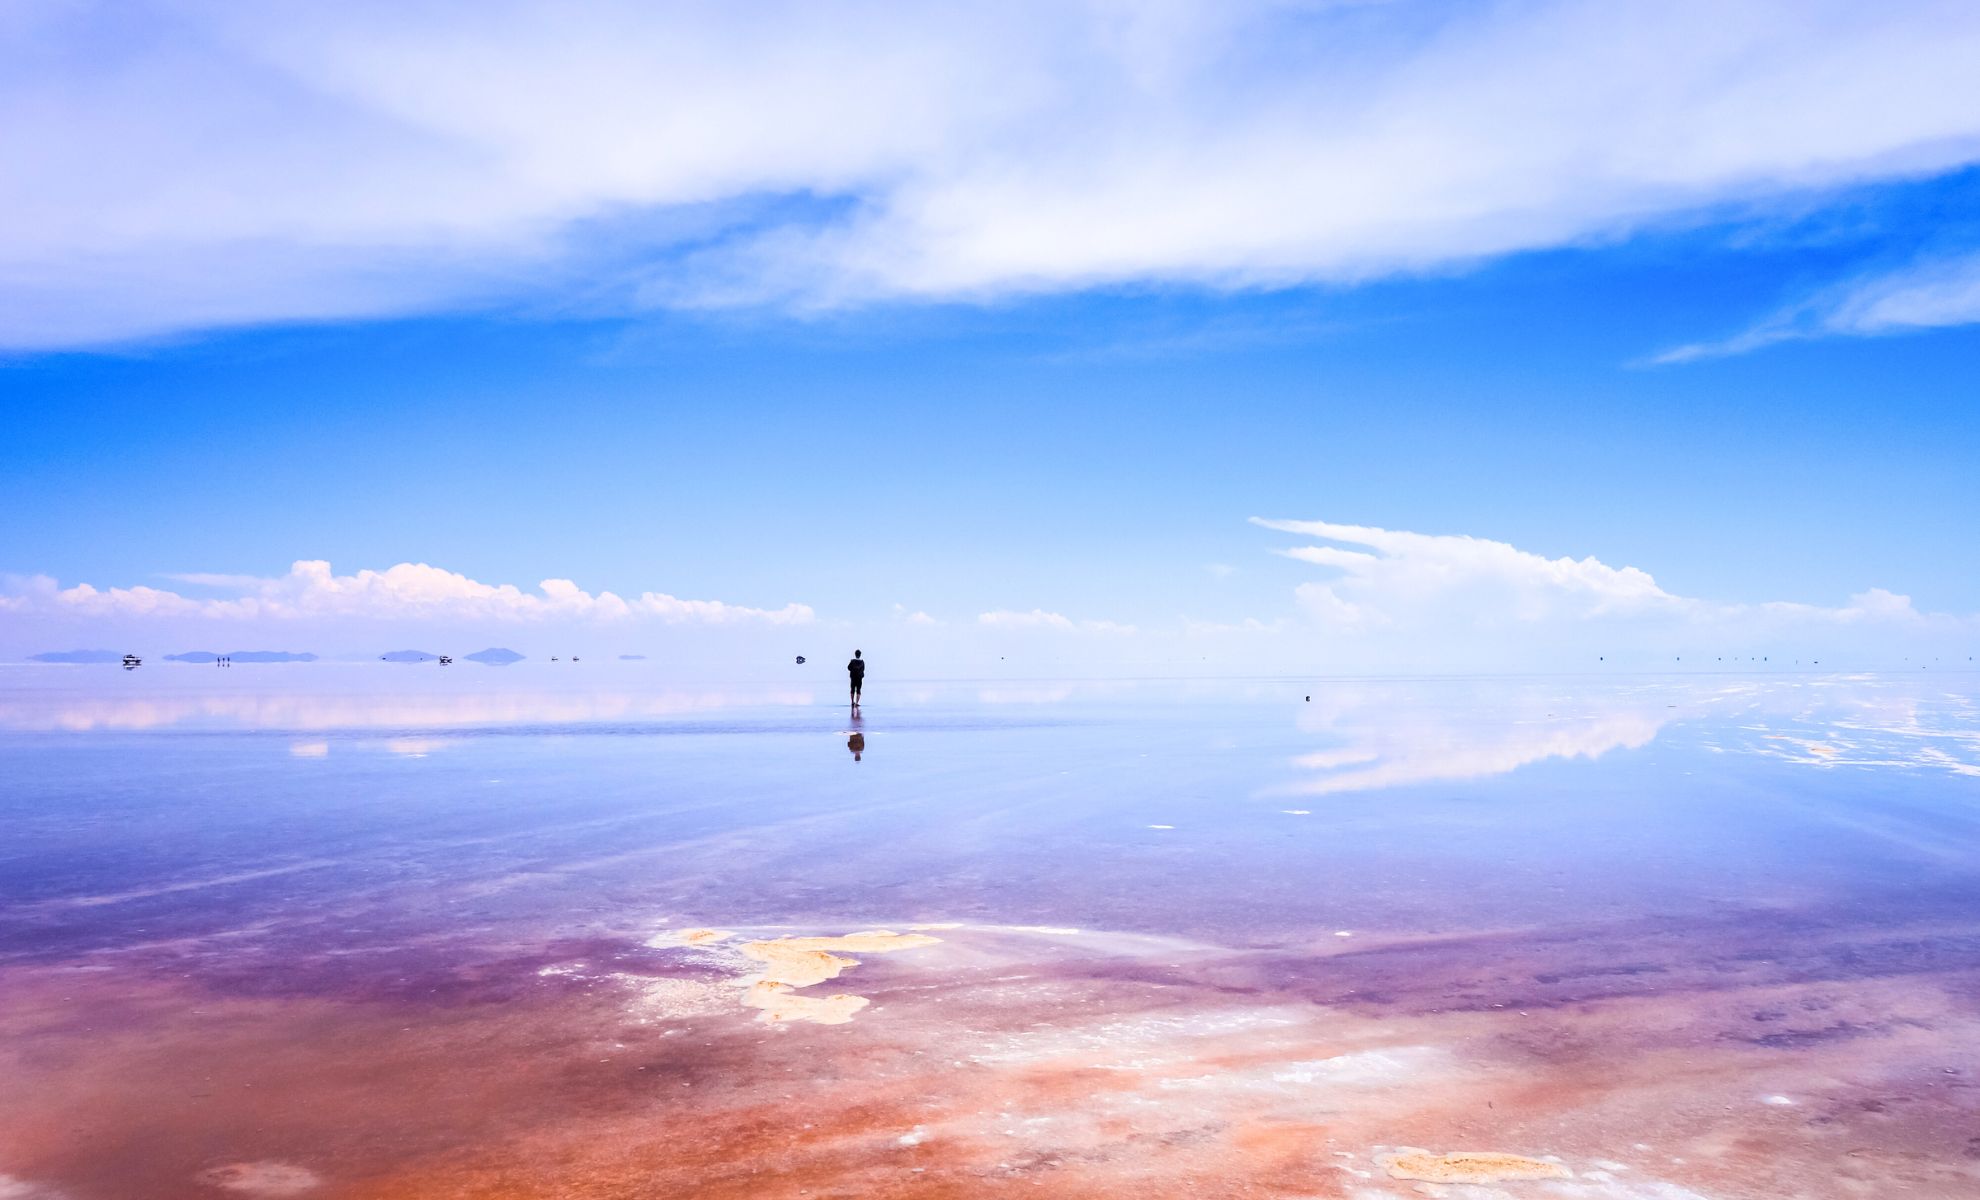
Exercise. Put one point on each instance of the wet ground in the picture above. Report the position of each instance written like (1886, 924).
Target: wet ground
(369, 931)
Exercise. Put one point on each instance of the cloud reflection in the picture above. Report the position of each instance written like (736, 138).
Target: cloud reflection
(1391, 735)
(1378, 735)
(40, 711)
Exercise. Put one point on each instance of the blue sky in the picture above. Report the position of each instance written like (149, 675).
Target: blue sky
(1699, 300)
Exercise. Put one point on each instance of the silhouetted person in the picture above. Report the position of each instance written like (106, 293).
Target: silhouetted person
(857, 669)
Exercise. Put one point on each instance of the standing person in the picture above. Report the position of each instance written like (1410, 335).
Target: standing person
(857, 669)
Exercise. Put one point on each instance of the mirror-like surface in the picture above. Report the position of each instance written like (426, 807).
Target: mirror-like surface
(378, 931)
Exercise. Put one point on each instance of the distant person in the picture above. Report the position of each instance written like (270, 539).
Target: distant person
(857, 669)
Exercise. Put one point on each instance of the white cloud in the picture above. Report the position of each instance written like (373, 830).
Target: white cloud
(178, 164)
(1468, 598)
(1195, 628)
(1403, 572)
(407, 592)
(1932, 294)
(1381, 601)
(1038, 618)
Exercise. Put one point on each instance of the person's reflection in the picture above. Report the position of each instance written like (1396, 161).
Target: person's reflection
(857, 744)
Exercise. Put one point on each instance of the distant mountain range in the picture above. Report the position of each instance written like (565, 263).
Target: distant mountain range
(632, 658)
(242, 656)
(494, 656)
(79, 656)
(408, 656)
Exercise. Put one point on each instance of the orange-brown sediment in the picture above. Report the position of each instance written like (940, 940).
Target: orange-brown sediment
(1082, 1069)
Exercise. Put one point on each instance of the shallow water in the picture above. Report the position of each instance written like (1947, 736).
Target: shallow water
(375, 931)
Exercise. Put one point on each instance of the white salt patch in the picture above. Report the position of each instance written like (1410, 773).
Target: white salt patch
(693, 936)
(1365, 1067)
(1136, 1043)
(671, 999)
(262, 1178)
(1412, 1066)
(306, 750)
(1161, 826)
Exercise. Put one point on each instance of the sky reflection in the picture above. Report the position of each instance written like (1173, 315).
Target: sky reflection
(1347, 736)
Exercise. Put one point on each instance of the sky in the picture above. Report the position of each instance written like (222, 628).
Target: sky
(1034, 338)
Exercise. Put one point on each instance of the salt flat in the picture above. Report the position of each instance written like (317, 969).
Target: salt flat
(383, 931)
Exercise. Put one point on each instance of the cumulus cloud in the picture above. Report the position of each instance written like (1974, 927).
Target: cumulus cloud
(914, 617)
(178, 165)
(1474, 597)
(1197, 628)
(1038, 618)
(1931, 294)
(1400, 574)
(408, 592)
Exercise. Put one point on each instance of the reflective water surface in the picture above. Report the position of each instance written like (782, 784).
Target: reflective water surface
(378, 931)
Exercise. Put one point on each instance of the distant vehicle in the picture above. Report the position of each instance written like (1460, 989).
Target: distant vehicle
(446, 661)
(800, 660)
(132, 662)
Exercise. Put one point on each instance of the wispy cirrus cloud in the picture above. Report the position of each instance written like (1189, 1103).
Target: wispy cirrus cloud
(1931, 294)
(408, 592)
(176, 166)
